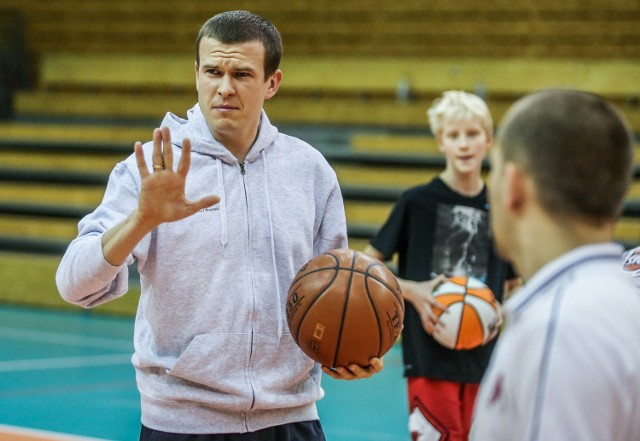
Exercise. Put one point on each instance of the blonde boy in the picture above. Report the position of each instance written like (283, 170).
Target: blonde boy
(438, 230)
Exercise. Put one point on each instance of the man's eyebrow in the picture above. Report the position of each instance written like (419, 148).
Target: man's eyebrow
(239, 68)
(244, 68)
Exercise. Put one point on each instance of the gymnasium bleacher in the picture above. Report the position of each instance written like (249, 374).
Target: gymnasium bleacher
(357, 82)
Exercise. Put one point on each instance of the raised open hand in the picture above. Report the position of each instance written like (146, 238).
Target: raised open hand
(162, 197)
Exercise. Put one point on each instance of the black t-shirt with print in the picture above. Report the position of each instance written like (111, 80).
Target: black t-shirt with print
(436, 230)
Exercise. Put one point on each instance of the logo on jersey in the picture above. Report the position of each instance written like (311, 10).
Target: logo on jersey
(497, 389)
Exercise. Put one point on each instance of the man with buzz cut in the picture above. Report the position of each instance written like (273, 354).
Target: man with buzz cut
(567, 364)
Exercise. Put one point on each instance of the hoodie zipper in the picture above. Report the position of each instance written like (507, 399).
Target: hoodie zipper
(253, 400)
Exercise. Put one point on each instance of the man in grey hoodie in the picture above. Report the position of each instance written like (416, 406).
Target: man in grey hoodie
(220, 211)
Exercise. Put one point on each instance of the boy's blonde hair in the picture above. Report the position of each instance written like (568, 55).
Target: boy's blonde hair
(458, 105)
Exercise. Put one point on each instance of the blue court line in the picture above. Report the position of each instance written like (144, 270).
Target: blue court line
(68, 339)
(55, 390)
(64, 362)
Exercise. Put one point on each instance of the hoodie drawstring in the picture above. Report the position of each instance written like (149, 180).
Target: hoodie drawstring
(224, 233)
(273, 249)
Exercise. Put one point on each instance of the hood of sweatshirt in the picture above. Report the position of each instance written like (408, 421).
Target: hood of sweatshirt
(203, 142)
(196, 129)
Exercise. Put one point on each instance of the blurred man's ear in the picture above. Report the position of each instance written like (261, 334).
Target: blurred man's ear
(518, 187)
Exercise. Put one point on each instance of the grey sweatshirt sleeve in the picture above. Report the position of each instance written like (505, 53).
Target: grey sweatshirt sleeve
(84, 277)
(333, 229)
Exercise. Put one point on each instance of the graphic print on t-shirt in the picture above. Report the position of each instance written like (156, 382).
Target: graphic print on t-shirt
(462, 241)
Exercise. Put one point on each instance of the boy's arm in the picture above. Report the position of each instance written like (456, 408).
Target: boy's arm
(373, 252)
(419, 294)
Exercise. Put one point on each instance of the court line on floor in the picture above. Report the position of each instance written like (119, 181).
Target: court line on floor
(60, 338)
(64, 362)
(13, 433)
(59, 389)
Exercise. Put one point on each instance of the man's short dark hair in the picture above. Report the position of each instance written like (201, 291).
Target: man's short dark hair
(578, 149)
(241, 27)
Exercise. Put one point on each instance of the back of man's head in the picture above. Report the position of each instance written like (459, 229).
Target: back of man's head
(577, 148)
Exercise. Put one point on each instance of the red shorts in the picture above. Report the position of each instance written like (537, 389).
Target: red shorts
(440, 410)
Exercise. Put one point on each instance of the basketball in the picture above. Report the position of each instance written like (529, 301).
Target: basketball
(472, 313)
(344, 307)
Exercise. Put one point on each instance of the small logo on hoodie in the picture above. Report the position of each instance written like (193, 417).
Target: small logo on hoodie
(215, 208)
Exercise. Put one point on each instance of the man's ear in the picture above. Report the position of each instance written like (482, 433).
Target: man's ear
(274, 83)
(518, 187)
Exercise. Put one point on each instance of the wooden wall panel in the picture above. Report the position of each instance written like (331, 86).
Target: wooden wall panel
(498, 28)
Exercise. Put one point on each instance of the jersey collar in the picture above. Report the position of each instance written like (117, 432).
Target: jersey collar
(554, 271)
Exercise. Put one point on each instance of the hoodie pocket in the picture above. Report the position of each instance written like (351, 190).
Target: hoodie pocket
(218, 362)
(283, 376)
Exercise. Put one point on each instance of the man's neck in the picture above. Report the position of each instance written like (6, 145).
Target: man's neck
(239, 146)
(543, 241)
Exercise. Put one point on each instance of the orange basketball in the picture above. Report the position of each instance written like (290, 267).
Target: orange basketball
(344, 307)
(472, 313)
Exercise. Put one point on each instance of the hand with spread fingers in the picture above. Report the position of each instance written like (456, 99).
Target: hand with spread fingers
(162, 196)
